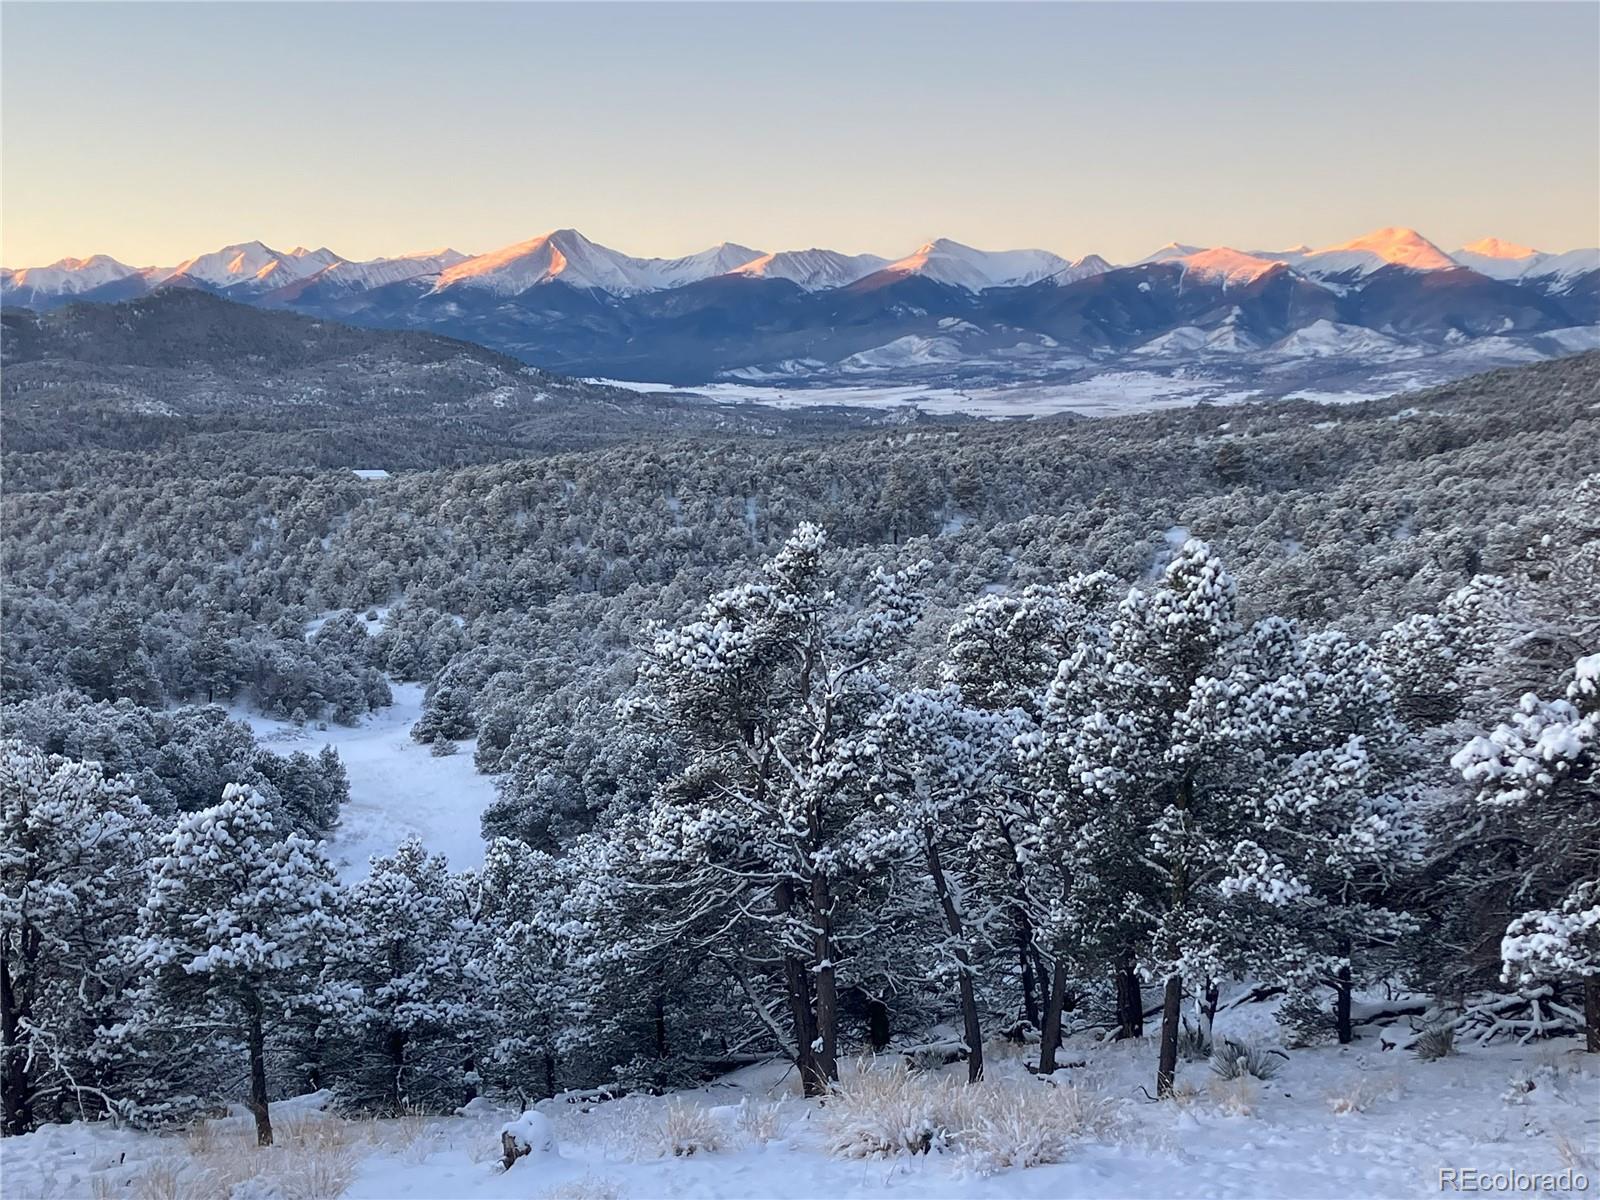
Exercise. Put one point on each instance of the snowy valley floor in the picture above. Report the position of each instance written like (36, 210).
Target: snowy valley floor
(398, 788)
(1357, 1122)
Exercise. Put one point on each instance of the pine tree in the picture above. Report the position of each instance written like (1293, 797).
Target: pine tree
(1333, 825)
(934, 765)
(73, 846)
(412, 982)
(765, 688)
(1538, 777)
(236, 928)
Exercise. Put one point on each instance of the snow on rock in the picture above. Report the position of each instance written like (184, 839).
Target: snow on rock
(531, 1133)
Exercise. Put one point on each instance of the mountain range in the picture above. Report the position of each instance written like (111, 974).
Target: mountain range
(1271, 319)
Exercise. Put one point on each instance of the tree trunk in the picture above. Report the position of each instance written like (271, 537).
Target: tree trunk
(1591, 1013)
(397, 1067)
(877, 1023)
(257, 1103)
(1030, 1006)
(797, 994)
(1171, 1014)
(1208, 1009)
(973, 1031)
(16, 1107)
(1341, 1005)
(826, 1055)
(797, 991)
(660, 1006)
(1130, 1001)
(1050, 1035)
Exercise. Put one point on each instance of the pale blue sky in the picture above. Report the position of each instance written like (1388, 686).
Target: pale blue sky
(151, 132)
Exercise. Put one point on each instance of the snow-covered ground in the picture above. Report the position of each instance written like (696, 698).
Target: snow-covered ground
(1354, 1122)
(1107, 394)
(397, 787)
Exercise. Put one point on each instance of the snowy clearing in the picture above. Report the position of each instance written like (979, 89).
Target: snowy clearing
(398, 788)
(1353, 1122)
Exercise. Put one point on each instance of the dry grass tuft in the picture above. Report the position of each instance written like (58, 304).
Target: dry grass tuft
(885, 1112)
(760, 1123)
(1237, 1097)
(1361, 1093)
(1575, 1153)
(685, 1129)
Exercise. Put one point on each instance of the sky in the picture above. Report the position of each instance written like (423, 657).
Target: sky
(153, 132)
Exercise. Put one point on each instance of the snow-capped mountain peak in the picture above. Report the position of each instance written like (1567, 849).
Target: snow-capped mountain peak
(1086, 267)
(1498, 259)
(949, 262)
(1225, 265)
(1394, 245)
(252, 263)
(1169, 251)
(71, 276)
(565, 255)
(814, 270)
(1493, 247)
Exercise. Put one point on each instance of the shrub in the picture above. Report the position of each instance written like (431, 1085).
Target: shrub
(760, 1123)
(1435, 1042)
(1233, 1060)
(1194, 1044)
(1026, 1123)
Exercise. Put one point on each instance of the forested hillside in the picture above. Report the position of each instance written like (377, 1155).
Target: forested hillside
(798, 735)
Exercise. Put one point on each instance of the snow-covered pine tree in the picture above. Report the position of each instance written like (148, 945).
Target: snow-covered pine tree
(1003, 652)
(522, 954)
(73, 846)
(1538, 777)
(1147, 752)
(412, 983)
(934, 765)
(765, 688)
(236, 929)
(1332, 823)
